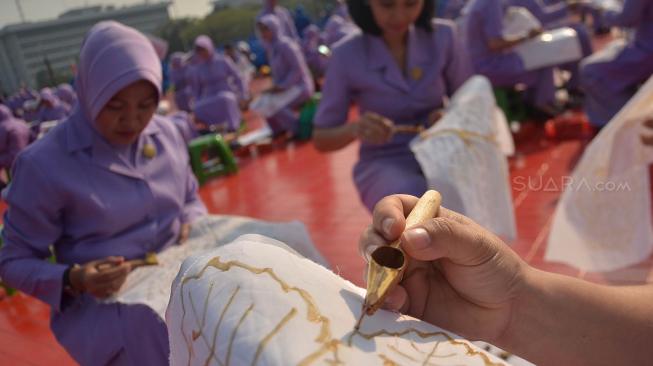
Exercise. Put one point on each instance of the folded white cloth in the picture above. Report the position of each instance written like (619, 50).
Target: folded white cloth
(518, 22)
(603, 221)
(463, 157)
(551, 48)
(269, 104)
(253, 302)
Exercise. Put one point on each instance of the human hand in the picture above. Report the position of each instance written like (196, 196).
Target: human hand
(100, 278)
(184, 232)
(374, 129)
(273, 89)
(435, 116)
(533, 33)
(459, 276)
(244, 104)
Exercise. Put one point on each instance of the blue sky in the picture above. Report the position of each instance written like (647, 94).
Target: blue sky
(47, 9)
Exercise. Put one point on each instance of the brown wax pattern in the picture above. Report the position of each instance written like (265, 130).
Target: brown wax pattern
(328, 344)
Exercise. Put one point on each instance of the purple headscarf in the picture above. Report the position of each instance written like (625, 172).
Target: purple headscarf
(48, 95)
(5, 113)
(271, 22)
(342, 10)
(311, 32)
(177, 60)
(112, 57)
(66, 93)
(206, 43)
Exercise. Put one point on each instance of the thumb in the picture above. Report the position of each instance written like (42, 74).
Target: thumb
(108, 261)
(443, 237)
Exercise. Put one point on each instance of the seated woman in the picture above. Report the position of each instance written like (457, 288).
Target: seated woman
(316, 61)
(286, 23)
(51, 108)
(216, 82)
(241, 60)
(491, 54)
(179, 75)
(14, 137)
(611, 77)
(289, 70)
(339, 25)
(556, 16)
(398, 72)
(66, 94)
(110, 184)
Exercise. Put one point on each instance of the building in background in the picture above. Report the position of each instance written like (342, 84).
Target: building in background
(34, 53)
(224, 4)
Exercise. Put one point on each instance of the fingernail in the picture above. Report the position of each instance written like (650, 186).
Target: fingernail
(417, 239)
(387, 225)
(369, 250)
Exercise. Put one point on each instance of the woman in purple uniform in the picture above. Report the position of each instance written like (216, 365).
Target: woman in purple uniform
(109, 184)
(399, 71)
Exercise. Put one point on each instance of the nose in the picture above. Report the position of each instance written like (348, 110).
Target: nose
(131, 118)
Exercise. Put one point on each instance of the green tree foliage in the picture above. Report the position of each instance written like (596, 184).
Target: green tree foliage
(228, 25)
(225, 26)
(173, 30)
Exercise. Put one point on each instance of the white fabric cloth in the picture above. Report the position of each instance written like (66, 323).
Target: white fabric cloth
(254, 303)
(518, 22)
(609, 5)
(603, 221)
(269, 104)
(551, 48)
(463, 157)
(151, 285)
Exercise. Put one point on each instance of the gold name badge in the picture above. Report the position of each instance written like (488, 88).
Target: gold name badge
(417, 73)
(149, 151)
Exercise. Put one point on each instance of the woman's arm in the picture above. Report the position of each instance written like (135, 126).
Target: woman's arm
(630, 15)
(293, 74)
(500, 44)
(334, 138)
(32, 223)
(331, 129)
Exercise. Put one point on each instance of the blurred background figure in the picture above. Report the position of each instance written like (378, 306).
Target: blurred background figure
(311, 43)
(51, 108)
(219, 90)
(239, 55)
(612, 76)
(66, 93)
(179, 73)
(14, 137)
(289, 72)
(286, 23)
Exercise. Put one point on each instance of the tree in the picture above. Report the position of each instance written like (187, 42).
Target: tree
(172, 32)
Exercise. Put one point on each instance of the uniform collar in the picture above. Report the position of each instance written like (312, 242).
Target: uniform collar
(380, 59)
(80, 136)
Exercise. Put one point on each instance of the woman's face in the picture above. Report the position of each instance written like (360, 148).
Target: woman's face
(127, 114)
(203, 53)
(266, 33)
(396, 16)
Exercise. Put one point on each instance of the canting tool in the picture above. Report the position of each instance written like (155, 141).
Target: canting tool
(388, 263)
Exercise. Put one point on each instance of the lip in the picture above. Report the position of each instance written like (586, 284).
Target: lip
(399, 28)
